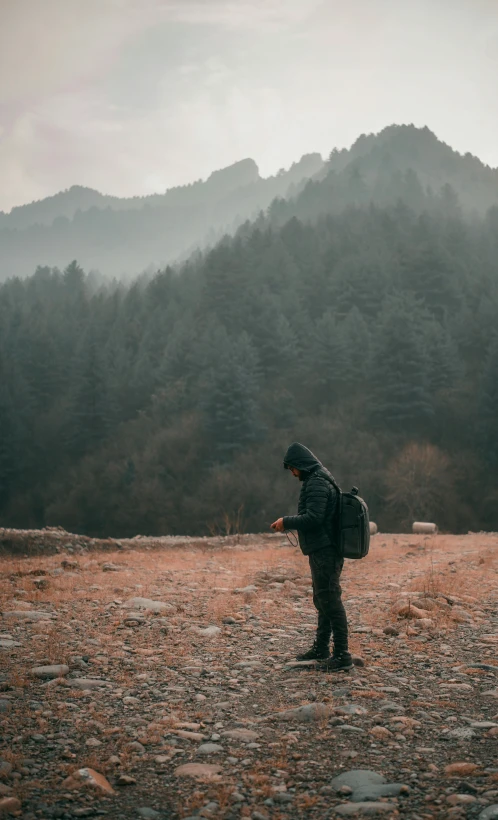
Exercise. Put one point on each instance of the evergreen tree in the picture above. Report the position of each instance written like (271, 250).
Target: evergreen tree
(400, 398)
(487, 429)
(230, 403)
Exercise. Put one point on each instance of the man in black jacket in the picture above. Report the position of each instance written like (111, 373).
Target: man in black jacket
(314, 524)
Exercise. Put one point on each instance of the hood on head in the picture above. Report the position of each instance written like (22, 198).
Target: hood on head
(301, 458)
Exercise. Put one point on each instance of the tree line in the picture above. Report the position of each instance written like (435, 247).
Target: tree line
(165, 406)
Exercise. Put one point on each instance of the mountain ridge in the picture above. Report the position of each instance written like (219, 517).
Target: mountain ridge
(129, 235)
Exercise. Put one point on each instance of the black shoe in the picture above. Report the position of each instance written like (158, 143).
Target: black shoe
(337, 663)
(316, 653)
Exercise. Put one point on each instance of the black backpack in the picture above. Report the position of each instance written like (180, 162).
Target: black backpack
(351, 524)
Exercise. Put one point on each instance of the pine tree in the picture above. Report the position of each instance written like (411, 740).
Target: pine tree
(400, 398)
(487, 429)
(230, 403)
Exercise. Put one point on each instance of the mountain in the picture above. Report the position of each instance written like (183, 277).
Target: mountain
(399, 148)
(124, 236)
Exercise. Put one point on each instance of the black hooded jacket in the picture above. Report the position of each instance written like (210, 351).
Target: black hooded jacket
(317, 501)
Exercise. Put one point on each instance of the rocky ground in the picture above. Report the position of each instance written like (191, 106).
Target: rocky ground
(158, 682)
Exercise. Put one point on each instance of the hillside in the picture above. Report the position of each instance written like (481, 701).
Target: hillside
(170, 672)
(125, 236)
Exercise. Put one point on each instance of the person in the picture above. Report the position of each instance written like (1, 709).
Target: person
(314, 525)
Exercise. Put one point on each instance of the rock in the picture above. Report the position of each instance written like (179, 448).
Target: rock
(208, 632)
(244, 735)
(149, 604)
(303, 714)
(365, 785)
(229, 620)
(357, 778)
(85, 683)
(9, 805)
(489, 813)
(88, 778)
(27, 615)
(125, 780)
(209, 749)
(245, 590)
(381, 732)
(460, 799)
(461, 769)
(57, 670)
(8, 643)
(405, 610)
(5, 768)
(461, 733)
(208, 771)
(390, 630)
(41, 583)
(367, 809)
(483, 724)
(357, 660)
(110, 567)
(148, 814)
(5, 706)
(190, 735)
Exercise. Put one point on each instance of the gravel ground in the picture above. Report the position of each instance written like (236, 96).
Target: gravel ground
(159, 682)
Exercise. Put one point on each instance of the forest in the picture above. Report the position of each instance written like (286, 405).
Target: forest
(357, 317)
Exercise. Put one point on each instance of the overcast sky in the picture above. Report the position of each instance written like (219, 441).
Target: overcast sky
(134, 96)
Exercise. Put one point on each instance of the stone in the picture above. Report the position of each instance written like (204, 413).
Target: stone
(367, 809)
(489, 813)
(304, 714)
(148, 814)
(381, 732)
(460, 799)
(411, 611)
(244, 735)
(186, 735)
(350, 709)
(209, 749)
(460, 769)
(357, 778)
(27, 615)
(110, 567)
(149, 604)
(245, 590)
(5, 768)
(375, 792)
(56, 670)
(357, 660)
(88, 778)
(365, 785)
(125, 780)
(208, 771)
(461, 733)
(208, 632)
(86, 683)
(9, 805)
(5, 706)
(390, 630)
(8, 643)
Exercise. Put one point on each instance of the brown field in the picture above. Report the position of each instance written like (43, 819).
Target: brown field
(160, 671)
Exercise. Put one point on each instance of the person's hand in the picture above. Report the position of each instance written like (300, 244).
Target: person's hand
(278, 525)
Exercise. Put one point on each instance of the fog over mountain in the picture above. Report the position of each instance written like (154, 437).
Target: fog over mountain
(125, 236)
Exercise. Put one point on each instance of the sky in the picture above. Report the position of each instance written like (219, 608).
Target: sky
(136, 96)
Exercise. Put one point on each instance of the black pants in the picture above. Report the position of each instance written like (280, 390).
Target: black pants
(326, 568)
